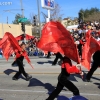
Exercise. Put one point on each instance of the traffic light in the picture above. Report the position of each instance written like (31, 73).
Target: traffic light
(34, 20)
(23, 27)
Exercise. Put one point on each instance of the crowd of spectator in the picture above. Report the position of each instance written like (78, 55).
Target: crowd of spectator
(81, 30)
(32, 49)
(78, 35)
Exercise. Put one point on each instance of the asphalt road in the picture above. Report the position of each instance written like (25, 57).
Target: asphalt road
(43, 82)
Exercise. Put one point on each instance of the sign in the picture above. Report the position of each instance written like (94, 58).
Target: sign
(22, 20)
(48, 4)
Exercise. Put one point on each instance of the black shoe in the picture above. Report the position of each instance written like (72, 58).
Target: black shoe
(13, 78)
(87, 80)
(28, 78)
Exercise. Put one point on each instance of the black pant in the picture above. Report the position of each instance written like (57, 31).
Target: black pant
(14, 63)
(48, 55)
(63, 82)
(93, 68)
(21, 69)
(80, 50)
(58, 56)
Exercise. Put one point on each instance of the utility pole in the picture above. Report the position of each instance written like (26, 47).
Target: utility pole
(39, 17)
(7, 19)
(23, 24)
(22, 8)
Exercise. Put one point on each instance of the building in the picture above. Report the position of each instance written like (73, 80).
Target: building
(14, 29)
(69, 22)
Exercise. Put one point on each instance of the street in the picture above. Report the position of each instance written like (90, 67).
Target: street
(43, 82)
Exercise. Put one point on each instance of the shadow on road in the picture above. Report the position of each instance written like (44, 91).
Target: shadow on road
(50, 62)
(97, 84)
(36, 82)
(9, 71)
(62, 98)
(96, 78)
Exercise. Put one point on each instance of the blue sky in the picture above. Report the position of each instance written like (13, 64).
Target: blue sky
(69, 8)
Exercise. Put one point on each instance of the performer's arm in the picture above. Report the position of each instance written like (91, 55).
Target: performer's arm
(71, 69)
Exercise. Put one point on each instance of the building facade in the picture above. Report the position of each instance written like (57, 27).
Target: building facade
(14, 29)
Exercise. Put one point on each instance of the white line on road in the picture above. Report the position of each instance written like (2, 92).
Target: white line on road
(8, 90)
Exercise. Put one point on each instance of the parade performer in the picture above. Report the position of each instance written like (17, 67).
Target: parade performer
(66, 69)
(8, 45)
(94, 66)
(58, 56)
(56, 38)
(19, 61)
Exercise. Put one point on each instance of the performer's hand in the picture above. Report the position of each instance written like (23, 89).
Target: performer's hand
(82, 74)
(78, 66)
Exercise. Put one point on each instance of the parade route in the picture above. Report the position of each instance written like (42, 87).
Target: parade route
(43, 82)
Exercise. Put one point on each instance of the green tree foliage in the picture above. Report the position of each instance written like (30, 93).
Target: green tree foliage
(17, 16)
(87, 13)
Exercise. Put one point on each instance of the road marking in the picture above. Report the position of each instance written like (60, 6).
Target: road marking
(86, 94)
(9, 90)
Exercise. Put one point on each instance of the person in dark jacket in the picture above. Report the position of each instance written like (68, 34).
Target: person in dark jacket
(80, 45)
(94, 66)
(19, 61)
(58, 56)
(66, 69)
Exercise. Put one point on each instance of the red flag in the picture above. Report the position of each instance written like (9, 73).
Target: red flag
(27, 37)
(89, 48)
(56, 38)
(9, 44)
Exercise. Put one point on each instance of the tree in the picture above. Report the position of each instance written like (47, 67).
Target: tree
(93, 17)
(90, 14)
(55, 14)
(17, 16)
